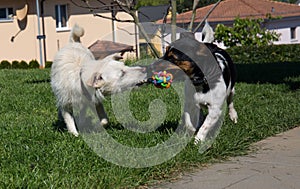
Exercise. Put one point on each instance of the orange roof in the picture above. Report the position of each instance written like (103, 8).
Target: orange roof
(228, 10)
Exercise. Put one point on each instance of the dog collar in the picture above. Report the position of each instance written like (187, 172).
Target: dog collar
(199, 81)
(201, 85)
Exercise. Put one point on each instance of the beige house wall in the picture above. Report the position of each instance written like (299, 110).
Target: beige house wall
(26, 45)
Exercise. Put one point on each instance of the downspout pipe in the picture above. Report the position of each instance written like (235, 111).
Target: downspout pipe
(113, 15)
(39, 36)
(43, 30)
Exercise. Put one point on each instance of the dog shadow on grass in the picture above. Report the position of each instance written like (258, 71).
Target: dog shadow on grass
(273, 73)
(85, 125)
(38, 81)
(167, 127)
(59, 125)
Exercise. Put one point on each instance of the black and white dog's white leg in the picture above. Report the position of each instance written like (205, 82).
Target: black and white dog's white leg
(210, 123)
(231, 110)
(214, 101)
(190, 120)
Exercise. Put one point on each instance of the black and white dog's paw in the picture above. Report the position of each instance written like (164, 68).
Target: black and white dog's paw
(199, 138)
(233, 115)
(203, 145)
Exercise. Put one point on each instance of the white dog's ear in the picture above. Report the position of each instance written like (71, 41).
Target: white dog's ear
(115, 56)
(96, 81)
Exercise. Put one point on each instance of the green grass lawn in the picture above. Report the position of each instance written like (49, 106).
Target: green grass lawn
(35, 152)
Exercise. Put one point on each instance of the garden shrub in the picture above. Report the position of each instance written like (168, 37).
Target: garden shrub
(245, 32)
(265, 54)
(48, 64)
(239, 54)
(5, 64)
(23, 65)
(34, 64)
(15, 64)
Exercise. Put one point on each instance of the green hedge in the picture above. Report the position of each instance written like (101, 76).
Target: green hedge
(48, 64)
(240, 55)
(265, 54)
(4, 64)
(15, 64)
(34, 64)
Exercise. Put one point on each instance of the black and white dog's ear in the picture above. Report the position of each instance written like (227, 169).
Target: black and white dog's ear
(168, 48)
(117, 56)
(96, 81)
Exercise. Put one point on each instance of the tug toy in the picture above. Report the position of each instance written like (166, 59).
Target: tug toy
(161, 79)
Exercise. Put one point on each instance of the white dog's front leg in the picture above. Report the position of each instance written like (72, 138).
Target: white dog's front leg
(210, 123)
(70, 123)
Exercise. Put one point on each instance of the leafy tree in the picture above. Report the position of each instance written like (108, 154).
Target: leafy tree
(245, 32)
(288, 1)
(141, 3)
(182, 5)
(188, 4)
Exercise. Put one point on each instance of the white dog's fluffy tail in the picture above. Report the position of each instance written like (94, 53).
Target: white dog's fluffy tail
(208, 33)
(76, 33)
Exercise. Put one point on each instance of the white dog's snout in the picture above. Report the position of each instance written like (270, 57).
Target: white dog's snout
(142, 69)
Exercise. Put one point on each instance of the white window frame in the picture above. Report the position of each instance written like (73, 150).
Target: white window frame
(58, 18)
(9, 16)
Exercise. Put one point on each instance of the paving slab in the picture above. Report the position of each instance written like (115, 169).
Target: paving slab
(275, 165)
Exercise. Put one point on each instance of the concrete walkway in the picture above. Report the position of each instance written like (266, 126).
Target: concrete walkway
(276, 165)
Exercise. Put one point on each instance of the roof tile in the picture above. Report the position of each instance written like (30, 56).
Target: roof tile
(228, 10)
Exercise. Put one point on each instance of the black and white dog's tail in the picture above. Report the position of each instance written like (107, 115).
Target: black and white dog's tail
(207, 33)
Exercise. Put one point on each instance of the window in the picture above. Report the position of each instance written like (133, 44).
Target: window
(61, 15)
(293, 33)
(6, 14)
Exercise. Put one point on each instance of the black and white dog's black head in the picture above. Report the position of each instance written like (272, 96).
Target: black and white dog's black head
(203, 63)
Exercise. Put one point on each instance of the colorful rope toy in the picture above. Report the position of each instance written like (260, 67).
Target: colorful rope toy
(162, 79)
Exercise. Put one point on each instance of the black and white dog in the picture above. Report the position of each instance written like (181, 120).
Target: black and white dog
(212, 73)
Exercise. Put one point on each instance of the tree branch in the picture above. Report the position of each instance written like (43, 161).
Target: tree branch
(129, 33)
(123, 5)
(173, 20)
(113, 18)
(144, 33)
(103, 7)
(193, 15)
(207, 15)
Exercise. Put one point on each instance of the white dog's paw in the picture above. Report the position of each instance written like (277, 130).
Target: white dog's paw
(103, 122)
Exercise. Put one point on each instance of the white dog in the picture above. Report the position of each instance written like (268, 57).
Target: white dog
(75, 73)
